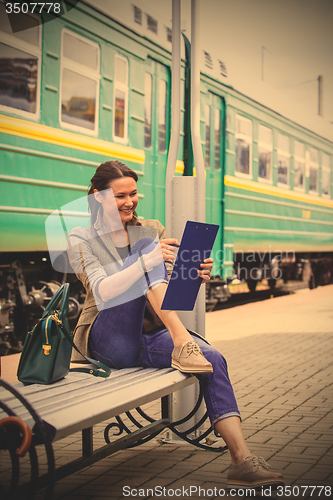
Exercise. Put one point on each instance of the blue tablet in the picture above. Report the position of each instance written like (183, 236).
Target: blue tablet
(196, 246)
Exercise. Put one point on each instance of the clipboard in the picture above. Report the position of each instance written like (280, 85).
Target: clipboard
(196, 245)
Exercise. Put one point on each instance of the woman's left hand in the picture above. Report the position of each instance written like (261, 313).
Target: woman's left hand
(168, 248)
(206, 266)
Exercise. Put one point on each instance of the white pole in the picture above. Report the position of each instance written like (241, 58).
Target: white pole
(175, 117)
(196, 145)
(184, 201)
(195, 111)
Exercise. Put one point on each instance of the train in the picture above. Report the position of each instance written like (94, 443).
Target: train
(94, 84)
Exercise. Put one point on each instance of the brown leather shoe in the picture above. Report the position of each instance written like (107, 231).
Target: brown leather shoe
(253, 472)
(188, 358)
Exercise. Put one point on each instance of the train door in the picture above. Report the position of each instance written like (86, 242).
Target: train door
(156, 140)
(213, 160)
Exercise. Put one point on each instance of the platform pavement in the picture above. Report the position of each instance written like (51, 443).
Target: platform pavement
(280, 361)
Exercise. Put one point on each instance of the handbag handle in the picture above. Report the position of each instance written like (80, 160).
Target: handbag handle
(64, 302)
(61, 294)
(106, 370)
(51, 306)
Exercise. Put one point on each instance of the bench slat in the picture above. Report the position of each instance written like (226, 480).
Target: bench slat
(77, 384)
(80, 400)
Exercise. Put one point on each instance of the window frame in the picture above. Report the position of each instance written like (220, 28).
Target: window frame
(217, 112)
(30, 49)
(300, 160)
(123, 88)
(239, 135)
(207, 125)
(165, 115)
(81, 70)
(269, 148)
(327, 168)
(285, 154)
(150, 96)
(314, 165)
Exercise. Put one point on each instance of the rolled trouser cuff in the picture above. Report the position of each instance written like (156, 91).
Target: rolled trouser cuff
(226, 415)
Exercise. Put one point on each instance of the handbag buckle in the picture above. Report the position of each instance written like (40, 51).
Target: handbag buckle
(55, 318)
(47, 349)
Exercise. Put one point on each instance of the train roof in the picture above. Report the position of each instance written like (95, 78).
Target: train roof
(147, 22)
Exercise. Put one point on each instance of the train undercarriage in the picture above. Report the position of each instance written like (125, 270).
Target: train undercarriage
(314, 269)
(28, 282)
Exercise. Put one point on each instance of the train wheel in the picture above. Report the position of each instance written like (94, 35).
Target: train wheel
(312, 282)
(272, 283)
(252, 284)
(327, 277)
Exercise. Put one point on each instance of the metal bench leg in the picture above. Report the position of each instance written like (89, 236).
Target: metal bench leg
(165, 407)
(87, 442)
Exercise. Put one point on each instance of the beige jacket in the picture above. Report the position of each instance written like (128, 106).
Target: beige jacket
(93, 257)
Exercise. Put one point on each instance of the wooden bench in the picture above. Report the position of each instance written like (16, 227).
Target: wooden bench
(79, 402)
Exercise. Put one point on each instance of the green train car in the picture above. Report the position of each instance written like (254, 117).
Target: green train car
(81, 88)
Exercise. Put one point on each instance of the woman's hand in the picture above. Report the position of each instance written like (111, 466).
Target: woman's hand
(206, 266)
(163, 251)
(168, 250)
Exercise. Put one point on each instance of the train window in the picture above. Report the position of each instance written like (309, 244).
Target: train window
(325, 176)
(20, 65)
(283, 160)
(162, 115)
(79, 82)
(243, 145)
(81, 51)
(121, 70)
(299, 166)
(265, 148)
(120, 98)
(314, 168)
(217, 146)
(148, 104)
(31, 34)
(230, 120)
(207, 136)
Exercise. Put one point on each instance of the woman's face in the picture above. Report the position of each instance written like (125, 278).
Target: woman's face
(125, 194)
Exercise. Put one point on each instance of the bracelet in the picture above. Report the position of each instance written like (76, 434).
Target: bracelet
(142, 265)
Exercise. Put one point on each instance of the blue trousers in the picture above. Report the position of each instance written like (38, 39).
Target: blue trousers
(117, 340)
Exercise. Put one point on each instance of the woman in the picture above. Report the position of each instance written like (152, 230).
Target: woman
(123, 262)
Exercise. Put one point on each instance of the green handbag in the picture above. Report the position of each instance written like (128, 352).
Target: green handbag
(48, 347)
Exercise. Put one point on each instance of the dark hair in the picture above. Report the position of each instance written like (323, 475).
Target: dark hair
(106, 173)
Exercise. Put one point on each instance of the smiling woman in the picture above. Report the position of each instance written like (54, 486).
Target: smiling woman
(123, 263)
